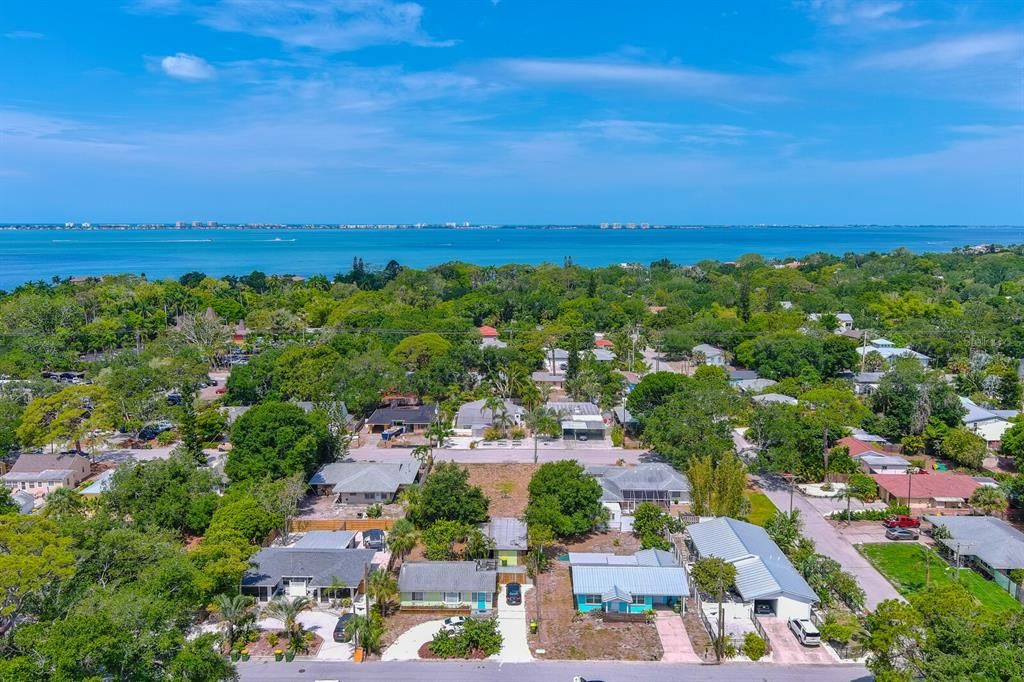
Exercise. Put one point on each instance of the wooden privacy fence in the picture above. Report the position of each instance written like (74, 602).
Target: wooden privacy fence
(305, 525)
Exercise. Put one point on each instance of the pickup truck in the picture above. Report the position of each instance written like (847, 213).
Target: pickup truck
(902, 521)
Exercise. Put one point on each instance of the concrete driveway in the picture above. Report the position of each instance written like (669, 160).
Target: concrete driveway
(407, 646)
(321, 623)
(674, 640)
(512, 625)
(830, 542)
(787, 649)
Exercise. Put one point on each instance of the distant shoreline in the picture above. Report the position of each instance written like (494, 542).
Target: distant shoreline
(384, 226)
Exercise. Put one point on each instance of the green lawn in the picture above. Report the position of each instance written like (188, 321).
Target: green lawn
(903, 563)
(761, 508)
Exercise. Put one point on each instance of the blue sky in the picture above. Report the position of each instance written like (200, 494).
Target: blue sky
(823, 111)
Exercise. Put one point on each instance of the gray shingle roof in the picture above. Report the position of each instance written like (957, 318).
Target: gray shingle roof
(508, 533)
(775, 398)
(651, 476)
(366, 477)
(319, 565)
(754, 385)
(416, 414)
(707, 349)
(762, 570)
(38, 463)
(445, 576)
(475, 414)
(995, 542)
(568, 409)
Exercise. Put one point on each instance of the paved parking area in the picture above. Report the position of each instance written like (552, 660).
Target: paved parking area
(322, 624)
(674, 640)
(512, 625)
(787, 649)
(407, 646)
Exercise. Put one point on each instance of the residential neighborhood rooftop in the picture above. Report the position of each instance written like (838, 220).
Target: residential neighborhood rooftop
(445, 576)
(324, 539)
(321, 566)
(508, 533)
(650, 476)
(933, 486)
(359, 477)
(762, 570)
(994, 541)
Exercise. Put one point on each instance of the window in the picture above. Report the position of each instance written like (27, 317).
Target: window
(592, 599)
(639, 599)
(452, 598)
(417, 596)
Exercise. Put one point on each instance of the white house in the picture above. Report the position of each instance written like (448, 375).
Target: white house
(713, 355)
(764, 576)
(989, 424)
(890, 352)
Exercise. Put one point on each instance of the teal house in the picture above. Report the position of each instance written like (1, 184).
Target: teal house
(636, 583)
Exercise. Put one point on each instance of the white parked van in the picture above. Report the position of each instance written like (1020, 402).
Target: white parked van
(805, 631)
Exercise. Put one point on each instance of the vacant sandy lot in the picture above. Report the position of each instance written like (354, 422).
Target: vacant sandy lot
(504, 484)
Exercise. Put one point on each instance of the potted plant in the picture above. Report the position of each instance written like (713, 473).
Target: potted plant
(278, 654)
(245, 654)
(235, 654)
(289, 655)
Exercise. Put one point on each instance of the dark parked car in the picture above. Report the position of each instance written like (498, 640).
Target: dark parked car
(339, 628)
(900, 534)
(763, 608)
(513, 594)
(373, 539)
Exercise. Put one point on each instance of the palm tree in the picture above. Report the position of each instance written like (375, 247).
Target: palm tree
(403, 538)
(365, 631)
(541, 422)
(288, 609)
(382, 587)
(478, 545)
(235, 610)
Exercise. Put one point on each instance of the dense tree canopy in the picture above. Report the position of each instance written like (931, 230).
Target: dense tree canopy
(564, 498)
(276, 439)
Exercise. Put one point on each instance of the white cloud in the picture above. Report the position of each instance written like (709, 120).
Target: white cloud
(24, 35)
(328, 25)
(187, 67)
(860, 14)
(950, 53)
(668, 80)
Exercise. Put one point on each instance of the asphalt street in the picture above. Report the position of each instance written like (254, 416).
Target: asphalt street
(546, 671)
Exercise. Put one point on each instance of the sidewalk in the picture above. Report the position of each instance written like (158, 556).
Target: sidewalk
(831, 543)
(674, 640)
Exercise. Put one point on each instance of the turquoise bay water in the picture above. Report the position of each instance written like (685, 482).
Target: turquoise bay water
(41, 254)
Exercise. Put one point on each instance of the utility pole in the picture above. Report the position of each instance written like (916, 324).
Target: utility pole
(863, 350)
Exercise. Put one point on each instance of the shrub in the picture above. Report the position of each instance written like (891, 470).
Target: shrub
(374, 511)
(754, 647)
(166, 437)
(617, 436)
(492, 433)
(871, 514)
(518, 432)
(475, 636)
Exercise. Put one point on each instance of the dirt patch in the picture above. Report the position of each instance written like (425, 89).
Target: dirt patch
(567, 634)
(399, 622)
(505, 485)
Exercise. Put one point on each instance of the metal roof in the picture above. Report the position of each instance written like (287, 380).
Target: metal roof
(665, 581)
(507, 532)
(645, 557)
(571, 409)
(321, 566)
(325, 539)
(762, 570)
(754, 385)
(408, 414)
(775, 398)
(445, 576)
(367, 477)
(883, 460)
(708, 350)
(995, 542)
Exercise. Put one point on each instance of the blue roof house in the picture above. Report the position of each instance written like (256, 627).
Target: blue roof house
(643, 581)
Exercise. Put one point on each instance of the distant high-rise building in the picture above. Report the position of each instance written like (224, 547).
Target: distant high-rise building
(197, 223)
(211, 223)
(86, 224)
(69, 224)
(180, 223)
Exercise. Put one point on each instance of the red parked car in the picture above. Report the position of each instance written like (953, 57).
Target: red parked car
(902, 521)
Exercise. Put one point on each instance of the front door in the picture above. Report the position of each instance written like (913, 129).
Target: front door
(481, 601)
